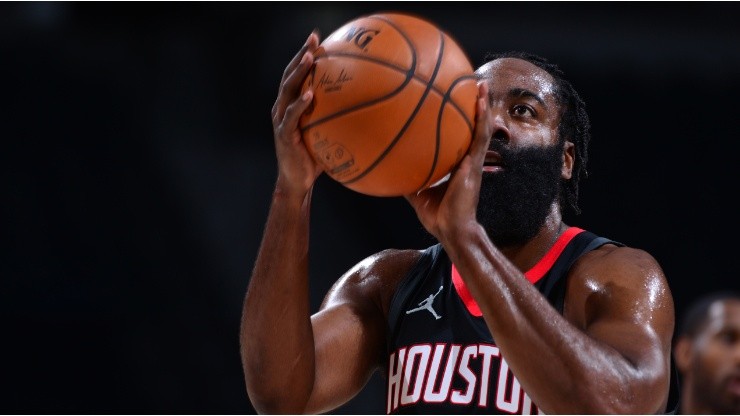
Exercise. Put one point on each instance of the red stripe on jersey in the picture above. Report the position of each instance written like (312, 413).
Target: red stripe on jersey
(464, 294)
(533, 275)
(543, 266)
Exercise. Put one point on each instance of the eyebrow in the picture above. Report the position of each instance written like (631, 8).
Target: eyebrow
(525, 93)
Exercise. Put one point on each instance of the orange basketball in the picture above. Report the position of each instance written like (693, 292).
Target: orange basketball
(394, 104)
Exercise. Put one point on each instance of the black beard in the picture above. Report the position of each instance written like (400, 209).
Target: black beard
(707, 391)
(515, 202)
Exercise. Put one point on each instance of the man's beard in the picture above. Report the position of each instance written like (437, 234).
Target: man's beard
(515, 202)
(708, 391)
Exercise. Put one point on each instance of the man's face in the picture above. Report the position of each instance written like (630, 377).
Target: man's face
(715, 363)
(514, 202)
(525, 162)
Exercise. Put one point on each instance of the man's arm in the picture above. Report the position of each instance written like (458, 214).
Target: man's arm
(610, 354)
(350, 328)
(294, 363)
(276, 335)
(276, 330)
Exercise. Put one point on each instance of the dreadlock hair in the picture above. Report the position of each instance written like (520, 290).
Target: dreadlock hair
(695, 317)
(574, 123)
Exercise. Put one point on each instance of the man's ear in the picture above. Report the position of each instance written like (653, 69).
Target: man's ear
(682, 351)
(569, 157)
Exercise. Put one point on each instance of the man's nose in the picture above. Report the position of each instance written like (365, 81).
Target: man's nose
(500, 125)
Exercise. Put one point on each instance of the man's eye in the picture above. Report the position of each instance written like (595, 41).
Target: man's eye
(522, 111)
(729, 337)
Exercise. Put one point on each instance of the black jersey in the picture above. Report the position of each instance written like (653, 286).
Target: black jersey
(441, 357)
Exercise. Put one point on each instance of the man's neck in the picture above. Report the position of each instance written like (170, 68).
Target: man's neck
(525, 256)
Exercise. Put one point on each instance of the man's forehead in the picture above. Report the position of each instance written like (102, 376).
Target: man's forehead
(516, 73)
(724, 313)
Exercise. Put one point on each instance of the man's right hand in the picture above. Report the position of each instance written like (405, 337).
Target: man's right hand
(447, 208)
(297, 171)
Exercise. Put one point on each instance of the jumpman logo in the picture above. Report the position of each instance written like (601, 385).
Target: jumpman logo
(427, 304)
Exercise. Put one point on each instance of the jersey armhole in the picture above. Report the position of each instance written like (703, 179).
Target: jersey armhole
(405, 286)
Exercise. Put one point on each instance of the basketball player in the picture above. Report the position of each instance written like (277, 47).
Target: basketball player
(533, 315)
(707, 352)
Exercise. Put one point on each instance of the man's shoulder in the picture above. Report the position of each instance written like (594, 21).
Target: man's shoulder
(391, 262)
(611, 267)
(619, 258)
(619, 284)
(377, 276)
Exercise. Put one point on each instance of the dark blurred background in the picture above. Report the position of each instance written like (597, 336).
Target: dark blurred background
(137, 167)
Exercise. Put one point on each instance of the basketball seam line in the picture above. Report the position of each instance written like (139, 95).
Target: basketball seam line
(409, 77)
(411, 117)
(387, 96)
(439, 121)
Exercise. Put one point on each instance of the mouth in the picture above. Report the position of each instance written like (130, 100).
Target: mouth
(493, 162)
(733, 385)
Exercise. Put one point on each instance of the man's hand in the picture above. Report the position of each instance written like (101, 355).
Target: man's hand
(297, 171)
(452, 204)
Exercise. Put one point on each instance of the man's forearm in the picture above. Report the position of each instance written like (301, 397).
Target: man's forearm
(276, 338)
(538, 343)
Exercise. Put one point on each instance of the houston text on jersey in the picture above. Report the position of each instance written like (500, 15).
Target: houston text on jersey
(430, 373)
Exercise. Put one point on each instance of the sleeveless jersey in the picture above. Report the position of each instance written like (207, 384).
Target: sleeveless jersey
(442, 358)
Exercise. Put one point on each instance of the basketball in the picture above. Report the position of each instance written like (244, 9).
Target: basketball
(394, 104)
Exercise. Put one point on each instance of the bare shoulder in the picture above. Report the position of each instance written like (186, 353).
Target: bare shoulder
(623, 281)
(620, 263)
(373, 280)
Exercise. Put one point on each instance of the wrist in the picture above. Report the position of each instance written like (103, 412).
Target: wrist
(462, 235)
(287, 192)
